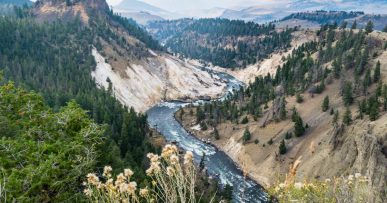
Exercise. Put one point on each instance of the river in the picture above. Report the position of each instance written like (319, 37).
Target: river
(218, 164)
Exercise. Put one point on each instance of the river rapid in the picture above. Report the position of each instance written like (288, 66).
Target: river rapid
(218, 164)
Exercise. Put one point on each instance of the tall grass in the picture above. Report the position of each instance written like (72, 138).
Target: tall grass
(349, 189)
(173, 180)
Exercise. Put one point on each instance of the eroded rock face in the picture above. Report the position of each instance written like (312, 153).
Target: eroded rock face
(146, 82)
(359, 149)
(67, 10)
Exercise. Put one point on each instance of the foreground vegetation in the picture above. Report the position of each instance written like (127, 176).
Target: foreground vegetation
(353, 188)
(173, 180)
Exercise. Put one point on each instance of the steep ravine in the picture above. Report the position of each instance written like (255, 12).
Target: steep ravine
(162, 118)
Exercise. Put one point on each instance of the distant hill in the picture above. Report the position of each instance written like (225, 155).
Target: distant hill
(7, 6)
(141, 17)
(262, 14)
(254, 13)
(222, 42)
(16, 2)
(331, 17)
(134, 6)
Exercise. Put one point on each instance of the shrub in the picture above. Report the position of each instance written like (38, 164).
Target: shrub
(282, 147)
(246, 135)
(203, 126)
(353, 188)
(172, 180)
(325, 104)
(299, 98)
(245, 120)
(288, 135)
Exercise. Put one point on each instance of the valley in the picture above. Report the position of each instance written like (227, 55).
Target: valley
(141, 101)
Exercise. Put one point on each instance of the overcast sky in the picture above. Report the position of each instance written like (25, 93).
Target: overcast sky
(175, 5)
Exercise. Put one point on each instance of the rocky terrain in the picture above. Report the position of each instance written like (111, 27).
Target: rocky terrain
(140, 76)
(325, 151)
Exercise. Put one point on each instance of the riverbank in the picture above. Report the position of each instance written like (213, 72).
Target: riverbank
(187, 121)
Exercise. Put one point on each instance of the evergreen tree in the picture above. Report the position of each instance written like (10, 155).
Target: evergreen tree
(325, 104)
(282, 109)
(385, 29)
(200, 115)
(299, 128)
(202, 161)
(288, 135)
(367, 80)
(373, 108)
(216, 134)
(246, 135)
(369, 27)
(377, 72)
(282, 147)
(347, 93)
(347, 118)
(245, 120)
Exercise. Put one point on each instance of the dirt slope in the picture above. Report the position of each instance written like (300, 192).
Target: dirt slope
(269, 65)
(326, 150)
(144, 83)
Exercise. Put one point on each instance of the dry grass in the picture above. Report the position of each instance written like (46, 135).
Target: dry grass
(173, 181)
(351, 189)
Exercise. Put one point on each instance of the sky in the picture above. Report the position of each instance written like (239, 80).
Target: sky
(178, 5)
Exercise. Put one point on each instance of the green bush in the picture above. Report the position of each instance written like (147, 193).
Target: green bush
(44, 154)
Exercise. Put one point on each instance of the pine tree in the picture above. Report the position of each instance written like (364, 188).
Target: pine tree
(347, 94)
(245, 120)
(347, 118)
(246, 135)
(369, 27)
(325, 104)
(299, 128)
(216, 134)
(282, 147)
(283, 111)
(367, 80)
(199, 114)
(373, 106)
(202, 161)
(377, 72)
(288, 135)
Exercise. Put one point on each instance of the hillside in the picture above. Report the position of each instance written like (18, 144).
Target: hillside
(132, 58)
(80, 52)
(141, 17)
(127, 7)
(7, 6)
(343, 136)
(222, 42)
(322, 17)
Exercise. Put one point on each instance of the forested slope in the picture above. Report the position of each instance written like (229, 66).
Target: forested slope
(225, 43)
(55, 60)
(325, 105)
